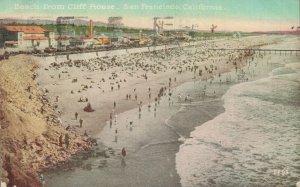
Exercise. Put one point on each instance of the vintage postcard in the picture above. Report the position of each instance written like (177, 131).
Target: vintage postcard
(150, 93)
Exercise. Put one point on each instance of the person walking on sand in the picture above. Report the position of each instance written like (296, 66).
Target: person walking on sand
(80, 122)
(61, 140)
(76, 115)
(115, 104)
(85, 133)
(67, 140)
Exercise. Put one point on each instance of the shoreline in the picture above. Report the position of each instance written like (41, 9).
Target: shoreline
(218, 106)
(211, 103)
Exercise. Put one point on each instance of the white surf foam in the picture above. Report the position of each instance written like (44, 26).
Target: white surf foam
(257, 135)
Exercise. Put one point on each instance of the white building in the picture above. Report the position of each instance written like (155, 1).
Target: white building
(24, 37)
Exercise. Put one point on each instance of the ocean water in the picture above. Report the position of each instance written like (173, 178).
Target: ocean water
(255, 142)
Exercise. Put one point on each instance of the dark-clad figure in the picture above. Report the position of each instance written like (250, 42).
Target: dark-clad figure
(61, 140)
(67, 140)
(123, 152)
(76, 115)
(80, 122)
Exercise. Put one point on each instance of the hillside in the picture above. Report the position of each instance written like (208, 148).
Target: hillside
(30, 130)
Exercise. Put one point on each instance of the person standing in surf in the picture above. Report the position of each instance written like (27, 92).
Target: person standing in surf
(123, 155)
(123, 152)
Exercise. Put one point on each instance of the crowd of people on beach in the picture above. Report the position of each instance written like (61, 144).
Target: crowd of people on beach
(198, 63)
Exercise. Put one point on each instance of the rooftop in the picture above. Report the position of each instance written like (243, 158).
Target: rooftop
(26, 29)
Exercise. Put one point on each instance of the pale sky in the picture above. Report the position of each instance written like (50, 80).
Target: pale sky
(234, 15)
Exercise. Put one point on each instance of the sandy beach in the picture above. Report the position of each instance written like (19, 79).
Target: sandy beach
(117, 85)
(103, 81)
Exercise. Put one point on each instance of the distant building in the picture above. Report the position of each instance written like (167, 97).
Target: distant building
(26, 37)
(81, 42)
(115, 22)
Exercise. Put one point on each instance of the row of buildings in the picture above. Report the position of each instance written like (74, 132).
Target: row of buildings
(35, 37)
